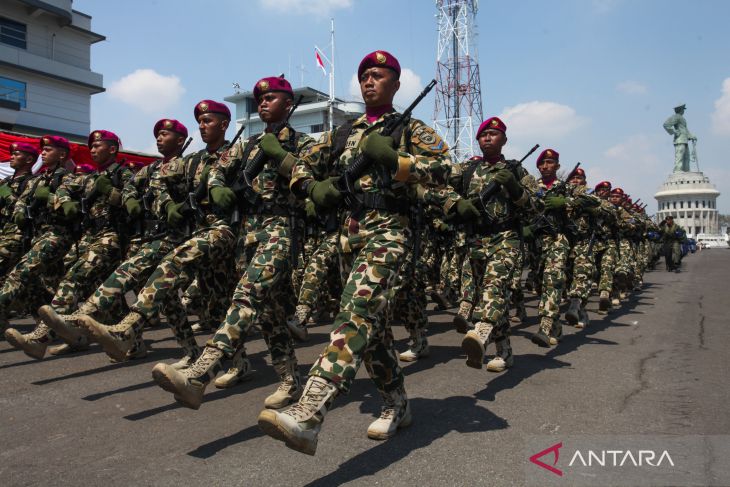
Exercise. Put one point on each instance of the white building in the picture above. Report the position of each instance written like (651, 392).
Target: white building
(692, 199)
(46, 80)
(311, 117)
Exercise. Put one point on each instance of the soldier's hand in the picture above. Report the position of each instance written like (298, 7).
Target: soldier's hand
(507, 180)
(555, 202)
(134, 207)
(310, 209)
(380, 149)
(42, 194)
(222, 196)
(5, 191)
(324, 193)
(103, 184)
(174, 217)
(466, 210)
(19, 218)
(70, 209)
(527, 232)
(272, 148)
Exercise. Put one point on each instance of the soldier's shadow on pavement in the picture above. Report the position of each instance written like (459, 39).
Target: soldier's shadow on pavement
(433, 419)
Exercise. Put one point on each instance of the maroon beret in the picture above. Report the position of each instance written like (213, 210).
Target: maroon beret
(104, 135)
(210, 106)
(382, 59)
(492, 123)
(580, 172)
(618, 191)
(170, 124)
(55, 141)
(548, 154)
(23, 147)
(603, 184)
(272, 83)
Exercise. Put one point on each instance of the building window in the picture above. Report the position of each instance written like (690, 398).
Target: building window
(317, 128)
(12, 33)
(703, 204)
(697, 204)
(674, 205)
(12, 90)
(681, 204)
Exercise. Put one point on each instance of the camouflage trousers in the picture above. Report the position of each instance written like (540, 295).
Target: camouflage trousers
(207, 256)
(108, 300)
(409, 303)
(361, 331)
(26, 285)
(11, 250)
(604, 258)
(624, 265)
(554, 258)
(263, 296)
(517, 296)
(583, 270)
(319, 272)
(469, 282)
(493, 263)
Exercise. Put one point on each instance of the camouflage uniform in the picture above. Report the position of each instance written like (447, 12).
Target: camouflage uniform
(373, 246)
(11, 236)
(42, 265)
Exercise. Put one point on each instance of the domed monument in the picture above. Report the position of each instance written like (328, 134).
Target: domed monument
(686, 194)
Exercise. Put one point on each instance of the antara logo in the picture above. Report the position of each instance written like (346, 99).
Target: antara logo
(555, 450)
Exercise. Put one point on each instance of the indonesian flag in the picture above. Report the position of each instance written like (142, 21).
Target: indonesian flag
(319, 61)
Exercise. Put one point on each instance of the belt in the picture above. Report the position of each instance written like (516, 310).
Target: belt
(377, 201)
(492, 228)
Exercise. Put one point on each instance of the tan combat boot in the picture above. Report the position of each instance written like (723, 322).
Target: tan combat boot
(188, 385)
(66, 349)
(462, 320)
(520, 313)
(542, 337)
(239, 371)
(116, 340)
(299, 425)
(475, 344)
(34, 344)
(583, 319)
(290, 386)
(395, 414)
(556, 332)
(297, 323)
(571, 316)
(504, 357)
(604, 302)
(418, 347)
(64, 325)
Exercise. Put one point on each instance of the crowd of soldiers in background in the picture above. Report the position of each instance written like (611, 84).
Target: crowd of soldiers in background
(280, 231)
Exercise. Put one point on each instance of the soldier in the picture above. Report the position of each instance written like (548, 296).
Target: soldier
(555, 248)
(265, 287)
(22, 157)
(156, 240)
(604, 245)
(100, 247)
(624, 228)
(372, 245)
(581, 252)
(671, 236)
(37, 212)
(494, 242)
(205, 253)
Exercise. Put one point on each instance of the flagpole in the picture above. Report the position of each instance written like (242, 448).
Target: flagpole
(332, 74)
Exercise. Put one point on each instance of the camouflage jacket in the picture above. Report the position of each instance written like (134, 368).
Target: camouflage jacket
(421, 153)
(606, 220)
(181, 176)
(7, 205)
(625, 222)
(100, 207)
(49, 216)
(272, 184)
(579, 211)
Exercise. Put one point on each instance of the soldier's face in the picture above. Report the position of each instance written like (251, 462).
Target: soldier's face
(616, 199)
(169, 143)
(52, 155)
(548, 168)
(378, 86)
(20, 159)
(603, 193)
(491, 142)
(102, 151)
(578, 180)
(274, 106)
(212, 127)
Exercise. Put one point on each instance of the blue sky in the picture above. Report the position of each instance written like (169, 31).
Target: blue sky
(595, 80)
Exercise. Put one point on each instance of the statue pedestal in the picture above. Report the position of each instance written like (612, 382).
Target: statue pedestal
(691, 198)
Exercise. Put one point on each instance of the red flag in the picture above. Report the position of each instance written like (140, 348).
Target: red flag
(319, 62)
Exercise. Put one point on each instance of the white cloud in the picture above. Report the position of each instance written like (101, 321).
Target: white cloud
(148, 90)
(541, 120)
(636, 150)
(721, 115)
(320, 8)
(410, 87)
(630, 87)
(604, 6)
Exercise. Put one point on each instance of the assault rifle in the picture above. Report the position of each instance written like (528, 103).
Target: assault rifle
(546, 221)
(243, 184)
(184, 147)
(345, 184)
(491, 189)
